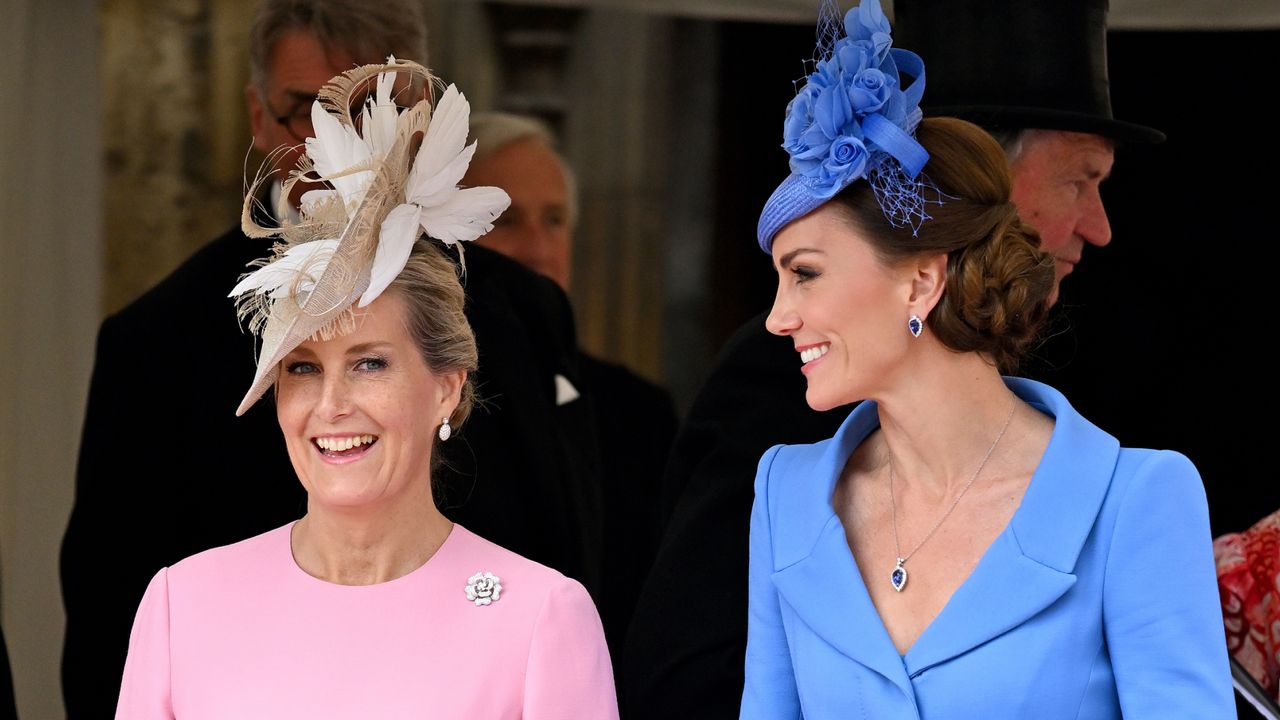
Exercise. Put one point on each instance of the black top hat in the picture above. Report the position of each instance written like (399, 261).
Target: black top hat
(1012, 64)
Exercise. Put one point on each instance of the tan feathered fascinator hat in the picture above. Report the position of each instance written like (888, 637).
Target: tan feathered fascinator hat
(388, 175)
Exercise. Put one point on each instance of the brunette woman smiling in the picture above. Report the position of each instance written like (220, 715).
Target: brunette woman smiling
(967, 545)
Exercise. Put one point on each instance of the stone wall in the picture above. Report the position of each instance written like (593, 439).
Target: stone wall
(176, 133)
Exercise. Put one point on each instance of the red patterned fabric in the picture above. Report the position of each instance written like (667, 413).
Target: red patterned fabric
(1249, 583)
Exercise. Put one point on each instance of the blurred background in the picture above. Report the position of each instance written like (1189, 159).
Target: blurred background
(124, 147)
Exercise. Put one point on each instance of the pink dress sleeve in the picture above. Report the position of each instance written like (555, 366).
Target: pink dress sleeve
(144, 692)
(569, 674)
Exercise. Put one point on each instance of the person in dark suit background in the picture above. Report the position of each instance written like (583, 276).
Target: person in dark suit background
(1052, 113)
(8, 706)
(162, 474)
(635, 419)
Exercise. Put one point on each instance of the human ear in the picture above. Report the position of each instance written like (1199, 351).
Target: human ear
(928, 280)
(450, 390)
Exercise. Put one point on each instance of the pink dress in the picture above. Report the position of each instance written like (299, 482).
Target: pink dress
(242, 632)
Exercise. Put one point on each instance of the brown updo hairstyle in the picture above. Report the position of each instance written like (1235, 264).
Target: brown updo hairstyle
(434, 318)
(998, 279)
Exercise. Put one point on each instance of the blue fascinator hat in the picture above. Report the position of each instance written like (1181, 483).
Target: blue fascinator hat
(853, 118)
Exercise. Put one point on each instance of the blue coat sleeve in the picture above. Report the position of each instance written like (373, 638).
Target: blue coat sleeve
(770, 689)
(1160, 606)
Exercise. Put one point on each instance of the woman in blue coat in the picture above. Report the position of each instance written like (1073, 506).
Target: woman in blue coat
(967, 545)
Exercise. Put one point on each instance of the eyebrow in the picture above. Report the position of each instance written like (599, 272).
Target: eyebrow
(304, 352)
(295, 99)
(1096, 174)
(353, 350)
(785, 260)
(366, 347)
(1091, 166)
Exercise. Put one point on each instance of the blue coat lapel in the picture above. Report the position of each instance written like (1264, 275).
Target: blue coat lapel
(1029, 565)
(817, 575)
(827, 593)
(1026, 569)
(1006, 589)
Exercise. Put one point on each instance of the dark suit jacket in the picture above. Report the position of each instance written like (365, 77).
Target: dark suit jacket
(8, 709)
(636, 422)
(685, 648)
(167, 470)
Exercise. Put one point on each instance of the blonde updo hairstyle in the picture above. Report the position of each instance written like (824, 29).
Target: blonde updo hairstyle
(998, 281)
(434, 317)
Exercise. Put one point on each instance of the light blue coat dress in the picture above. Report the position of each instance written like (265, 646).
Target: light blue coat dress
(1098, 600)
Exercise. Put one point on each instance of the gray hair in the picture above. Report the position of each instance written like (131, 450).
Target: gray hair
(368, 30)
(493, 131)
(1011, 140)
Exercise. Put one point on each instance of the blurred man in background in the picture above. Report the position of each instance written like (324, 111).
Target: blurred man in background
(635, 419)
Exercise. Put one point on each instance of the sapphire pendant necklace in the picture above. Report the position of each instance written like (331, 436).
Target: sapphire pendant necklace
(898, 578)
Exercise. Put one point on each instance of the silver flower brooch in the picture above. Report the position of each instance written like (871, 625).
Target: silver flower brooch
(483, 588)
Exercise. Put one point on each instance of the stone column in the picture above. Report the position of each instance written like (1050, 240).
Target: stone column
(50, 273)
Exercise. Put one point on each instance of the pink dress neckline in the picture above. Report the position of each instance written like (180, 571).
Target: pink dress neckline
(446, 549)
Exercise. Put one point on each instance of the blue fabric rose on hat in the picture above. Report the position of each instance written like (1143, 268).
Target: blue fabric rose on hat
(823, 133)
(846, 161)
(853, 118)
(867, 22)
(871, 90)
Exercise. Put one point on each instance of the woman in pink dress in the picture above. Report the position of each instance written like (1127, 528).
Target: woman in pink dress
(373, 605)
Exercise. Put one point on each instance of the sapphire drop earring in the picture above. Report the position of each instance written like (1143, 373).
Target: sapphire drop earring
(915, 325)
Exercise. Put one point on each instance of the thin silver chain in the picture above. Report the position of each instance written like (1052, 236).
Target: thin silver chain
(902, 559)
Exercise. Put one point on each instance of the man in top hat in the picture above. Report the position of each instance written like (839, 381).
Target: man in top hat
(1034, 74)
